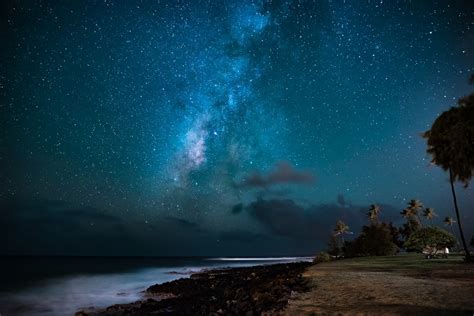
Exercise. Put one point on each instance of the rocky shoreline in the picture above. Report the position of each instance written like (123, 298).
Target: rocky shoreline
(258, 290)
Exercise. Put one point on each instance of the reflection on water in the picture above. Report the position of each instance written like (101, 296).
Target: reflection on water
(61, 286)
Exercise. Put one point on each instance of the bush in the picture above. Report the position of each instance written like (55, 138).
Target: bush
(322, 257)
(333, 247)
(431, 240)
(374, 240)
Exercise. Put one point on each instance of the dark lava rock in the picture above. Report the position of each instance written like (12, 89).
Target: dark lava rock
(239, 291)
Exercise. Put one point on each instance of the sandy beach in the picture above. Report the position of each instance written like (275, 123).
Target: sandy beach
(396, 285)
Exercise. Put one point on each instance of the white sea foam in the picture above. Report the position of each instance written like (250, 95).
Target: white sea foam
(270, 259)
(66, 295)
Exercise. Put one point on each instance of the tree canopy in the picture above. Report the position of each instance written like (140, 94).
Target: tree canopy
(430, 238)
(451, 138)
(374, 240)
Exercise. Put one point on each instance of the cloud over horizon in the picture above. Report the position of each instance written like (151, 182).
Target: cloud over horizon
(263, 226)
(282, 173)
(310, 223)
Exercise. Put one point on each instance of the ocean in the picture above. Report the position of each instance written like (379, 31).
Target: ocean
(50, 286)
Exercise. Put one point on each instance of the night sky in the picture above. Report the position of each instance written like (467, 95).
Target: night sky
(221, 127)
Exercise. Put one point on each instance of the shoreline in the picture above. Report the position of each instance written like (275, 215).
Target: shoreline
(405, 284)
(255, 290)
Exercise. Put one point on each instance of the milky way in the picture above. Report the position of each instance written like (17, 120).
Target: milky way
(222, 91)
(175, 117)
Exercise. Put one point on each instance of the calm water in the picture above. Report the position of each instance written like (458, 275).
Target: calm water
(63, 285)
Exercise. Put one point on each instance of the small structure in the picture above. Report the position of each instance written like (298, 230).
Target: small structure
(432, 252)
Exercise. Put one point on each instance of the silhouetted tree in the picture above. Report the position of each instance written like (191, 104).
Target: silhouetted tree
(407, 213)
(374, 240)
(395, 232)
(410, 227)
(451, 144)
(449, 221)
(373, 213)
(429, 213)
(333, 247)
(410, 213)
(414, 206)
(340, 230)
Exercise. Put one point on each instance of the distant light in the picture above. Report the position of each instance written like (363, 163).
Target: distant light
(262, 259)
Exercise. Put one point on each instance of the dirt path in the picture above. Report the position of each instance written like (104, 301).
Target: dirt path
(348, 288)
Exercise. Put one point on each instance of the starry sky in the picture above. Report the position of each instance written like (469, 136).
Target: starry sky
(221, 127)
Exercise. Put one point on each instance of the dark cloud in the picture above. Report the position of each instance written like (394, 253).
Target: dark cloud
(236, 209)
(277, 226)
(43, 227)
(181, 222)
(57, 227)
(341, 201)
(53, 210)
(91, 214)
(241, 236)
(313, 223)
(283, 173)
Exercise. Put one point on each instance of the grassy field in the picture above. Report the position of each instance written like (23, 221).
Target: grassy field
(405, 284)
(405, 261)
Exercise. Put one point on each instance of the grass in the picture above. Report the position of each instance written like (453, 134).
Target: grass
(404, 261)
(394, 285)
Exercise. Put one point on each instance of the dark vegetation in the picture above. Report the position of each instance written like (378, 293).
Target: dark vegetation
(374, 240)
(430, 240)
(385, 239)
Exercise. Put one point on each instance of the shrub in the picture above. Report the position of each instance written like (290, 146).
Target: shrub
(322, 257)
(333, 247)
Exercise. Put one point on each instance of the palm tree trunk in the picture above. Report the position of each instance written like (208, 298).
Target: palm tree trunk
(419, 220)
(468, 255)
(457, 240)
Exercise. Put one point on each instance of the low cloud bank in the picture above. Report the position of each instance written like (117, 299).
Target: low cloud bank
(312, 223)
(283, 173)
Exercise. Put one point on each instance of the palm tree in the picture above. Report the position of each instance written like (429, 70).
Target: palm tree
(412, 211)
(429, 213)
(449, 221)
(407, 213)
(415, 206)
(450, 143)
(373, 213)
(411, 226)
(340, 230)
